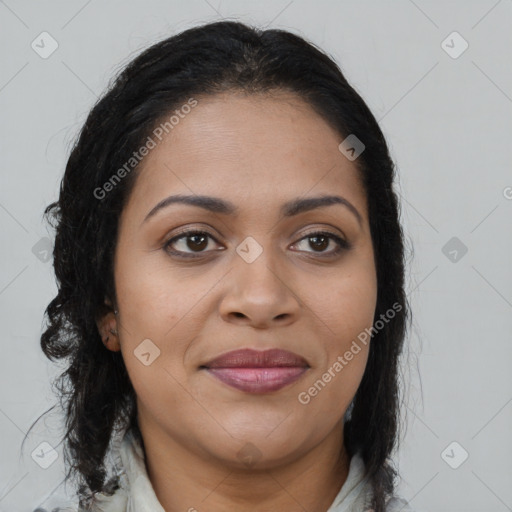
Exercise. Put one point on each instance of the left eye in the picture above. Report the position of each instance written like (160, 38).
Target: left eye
(321, 240)
(197, 242)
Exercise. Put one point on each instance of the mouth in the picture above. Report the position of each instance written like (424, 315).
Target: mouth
(256, 371)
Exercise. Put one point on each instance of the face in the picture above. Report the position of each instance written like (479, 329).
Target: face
(262, 276)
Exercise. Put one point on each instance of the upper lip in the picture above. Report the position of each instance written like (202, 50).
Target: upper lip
(249, 358)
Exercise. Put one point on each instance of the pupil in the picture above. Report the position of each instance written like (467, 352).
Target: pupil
(317, 244)
(200, 245)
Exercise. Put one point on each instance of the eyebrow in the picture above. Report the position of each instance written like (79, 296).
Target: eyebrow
(288, 209)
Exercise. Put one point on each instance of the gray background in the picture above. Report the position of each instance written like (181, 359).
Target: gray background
(448, 123)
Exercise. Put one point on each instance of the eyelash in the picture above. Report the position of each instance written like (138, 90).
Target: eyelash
(342, 244)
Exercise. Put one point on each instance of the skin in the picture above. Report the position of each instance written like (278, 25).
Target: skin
(257, 151)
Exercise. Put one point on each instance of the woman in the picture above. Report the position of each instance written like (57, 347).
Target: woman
(230, 269)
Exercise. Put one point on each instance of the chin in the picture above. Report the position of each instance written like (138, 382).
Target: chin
(257, 450)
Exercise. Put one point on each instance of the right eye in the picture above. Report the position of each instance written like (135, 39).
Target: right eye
(188, 243)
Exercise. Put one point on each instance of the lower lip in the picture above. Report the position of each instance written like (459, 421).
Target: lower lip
(258, 380)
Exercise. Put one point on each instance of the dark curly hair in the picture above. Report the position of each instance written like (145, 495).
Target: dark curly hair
(95, 390)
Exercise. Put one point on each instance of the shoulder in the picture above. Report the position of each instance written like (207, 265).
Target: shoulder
(116, 502)
(393, 504)
(397, 504)
(65, 508)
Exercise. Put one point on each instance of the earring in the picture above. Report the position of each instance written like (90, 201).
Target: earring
(113, 331)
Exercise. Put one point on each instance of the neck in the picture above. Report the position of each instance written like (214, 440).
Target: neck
(185, 481)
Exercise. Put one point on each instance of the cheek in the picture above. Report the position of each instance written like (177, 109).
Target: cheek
(154, 306)
(160, 317)
(346, 304)
(153, 298)
(346, 308)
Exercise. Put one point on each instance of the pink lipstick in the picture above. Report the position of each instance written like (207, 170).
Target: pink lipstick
(256, 371)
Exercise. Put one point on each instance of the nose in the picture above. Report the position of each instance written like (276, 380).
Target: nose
(259, 296)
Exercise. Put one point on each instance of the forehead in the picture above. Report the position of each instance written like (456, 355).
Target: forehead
(261, 149)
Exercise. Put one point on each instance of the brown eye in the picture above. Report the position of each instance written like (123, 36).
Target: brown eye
(197, 242)
(188, 243)
(321, 241)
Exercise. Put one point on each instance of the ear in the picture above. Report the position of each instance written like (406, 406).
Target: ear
(107, 327)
